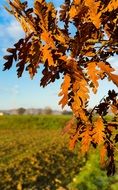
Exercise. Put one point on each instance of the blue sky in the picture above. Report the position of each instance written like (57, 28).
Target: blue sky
(24, 92)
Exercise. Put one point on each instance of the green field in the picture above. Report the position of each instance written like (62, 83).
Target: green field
(35, 156)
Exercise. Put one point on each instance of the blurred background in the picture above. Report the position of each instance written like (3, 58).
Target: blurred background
(33, 153)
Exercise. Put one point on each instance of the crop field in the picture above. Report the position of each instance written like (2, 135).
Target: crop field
(35, 156)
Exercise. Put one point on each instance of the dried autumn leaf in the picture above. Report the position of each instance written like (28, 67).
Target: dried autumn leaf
(47, 55)
(61, 39)
(73, 68)
(94, 14)
(76, 8)
(73, 141)
(77, 2)
(64, 90)
(98, 131)
(76, 104)
(93, 74)
(73, 11)
(47, 38)
(86, 139)
(108, 70)
(103, 154)
(112, 5)
(81, 91)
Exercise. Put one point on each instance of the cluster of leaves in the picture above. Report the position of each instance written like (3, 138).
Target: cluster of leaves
(99, 132)
(82, 58)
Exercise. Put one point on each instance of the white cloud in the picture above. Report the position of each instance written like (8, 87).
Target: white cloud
(14, 30)
(11, 31)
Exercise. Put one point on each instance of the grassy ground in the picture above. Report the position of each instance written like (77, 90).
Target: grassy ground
(35, 156)
(24, 135)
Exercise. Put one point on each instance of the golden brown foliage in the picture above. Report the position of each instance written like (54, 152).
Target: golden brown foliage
(81, 57)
